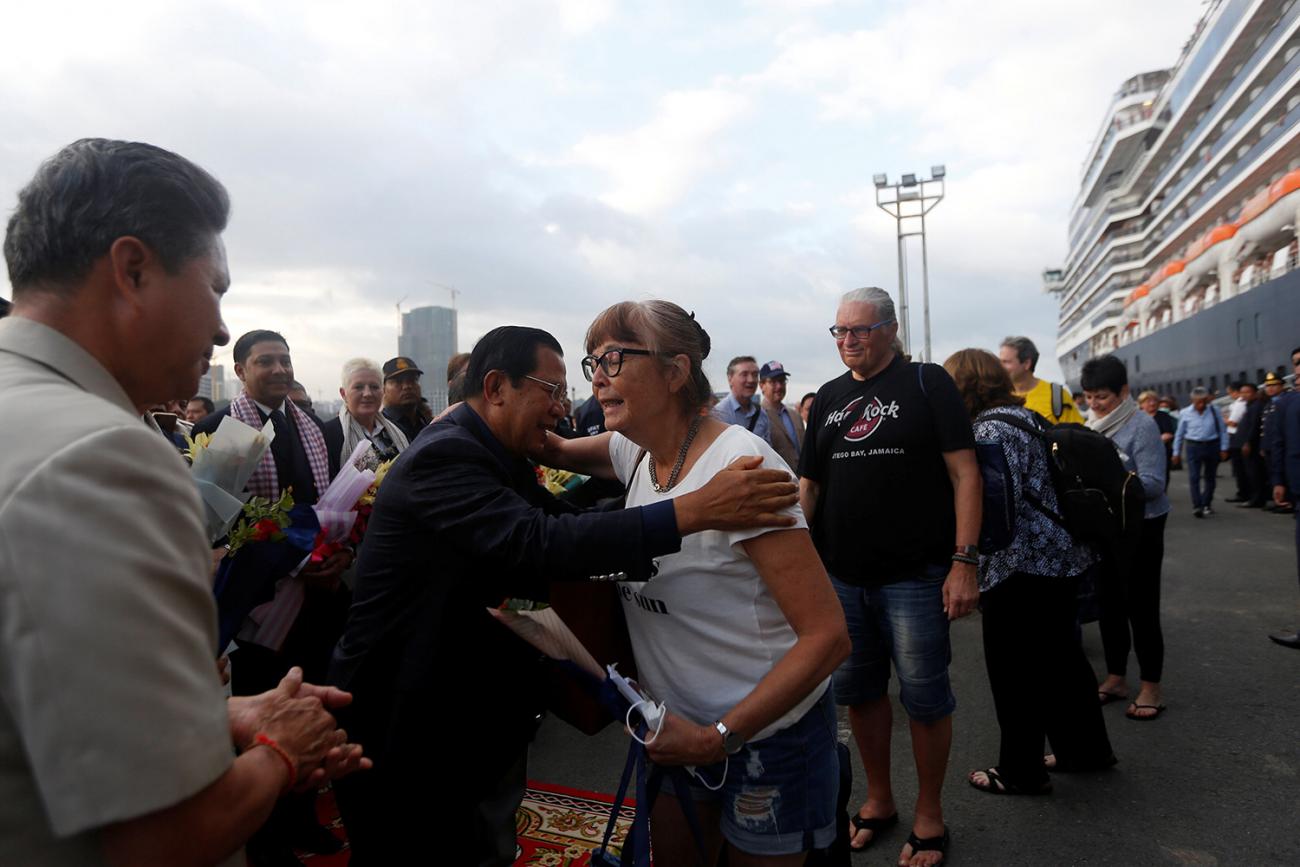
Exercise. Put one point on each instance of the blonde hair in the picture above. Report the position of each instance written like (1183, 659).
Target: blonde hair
(1148, 394)
(353, 366)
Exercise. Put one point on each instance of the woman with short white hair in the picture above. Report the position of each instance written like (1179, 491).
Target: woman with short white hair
(360, 418)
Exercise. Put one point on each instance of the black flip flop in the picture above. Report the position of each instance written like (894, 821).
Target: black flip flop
(874, 824)
(1158, 708)
(930, 844)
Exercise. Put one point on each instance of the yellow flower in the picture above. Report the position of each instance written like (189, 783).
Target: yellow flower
(196, 445)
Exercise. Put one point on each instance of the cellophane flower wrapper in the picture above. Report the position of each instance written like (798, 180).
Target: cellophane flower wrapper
(247, 579)
(336, 510)
(221, 470)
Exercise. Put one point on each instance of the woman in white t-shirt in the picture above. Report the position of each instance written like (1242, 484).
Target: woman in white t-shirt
(737, 633)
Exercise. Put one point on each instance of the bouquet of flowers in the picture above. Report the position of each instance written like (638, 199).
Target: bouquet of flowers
(221, 464)
(558, 481)
(338, 509)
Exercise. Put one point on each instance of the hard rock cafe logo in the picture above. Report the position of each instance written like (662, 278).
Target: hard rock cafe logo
(873, 414)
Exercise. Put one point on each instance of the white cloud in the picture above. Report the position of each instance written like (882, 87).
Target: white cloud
(650, 167)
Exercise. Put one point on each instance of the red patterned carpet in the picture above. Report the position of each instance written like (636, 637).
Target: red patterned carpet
(557, 827)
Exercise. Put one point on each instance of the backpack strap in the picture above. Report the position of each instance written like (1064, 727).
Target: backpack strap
(753, 422)
(1029, 427)
(1058, 401)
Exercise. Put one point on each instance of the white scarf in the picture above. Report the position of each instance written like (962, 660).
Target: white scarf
(353, 434)
(1110, 423)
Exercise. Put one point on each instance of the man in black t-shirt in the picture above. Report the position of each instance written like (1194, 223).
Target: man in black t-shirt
(891, 489)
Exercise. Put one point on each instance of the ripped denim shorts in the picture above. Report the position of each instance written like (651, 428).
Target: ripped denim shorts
(779, 794)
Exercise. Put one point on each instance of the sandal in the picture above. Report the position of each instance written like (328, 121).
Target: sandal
(1158, 708)
(930, 844)
(999, 785)
(874, 824)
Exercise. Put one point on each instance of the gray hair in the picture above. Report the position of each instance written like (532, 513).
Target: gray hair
(353, 366)
(96, 191)
(882, 302)
(1200, 391)
(875, 296)
(1025, 349)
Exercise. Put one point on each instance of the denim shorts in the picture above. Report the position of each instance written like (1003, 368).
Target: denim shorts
(903, 623)
(779, 794)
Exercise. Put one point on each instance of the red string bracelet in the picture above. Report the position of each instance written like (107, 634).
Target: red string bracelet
(262, 739)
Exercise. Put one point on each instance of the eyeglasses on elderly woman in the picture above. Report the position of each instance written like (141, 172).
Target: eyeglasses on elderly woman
(610, 361)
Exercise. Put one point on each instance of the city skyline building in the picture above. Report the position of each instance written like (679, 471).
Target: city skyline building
(429, 338)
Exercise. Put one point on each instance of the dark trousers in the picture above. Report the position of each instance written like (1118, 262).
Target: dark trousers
(432, 795)
(1202, 463)
(1132, 601)
(1043, 686)
(1257, 474)
(1240, 474)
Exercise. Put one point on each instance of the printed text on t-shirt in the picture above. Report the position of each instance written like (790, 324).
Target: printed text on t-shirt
(655, 606)
(873, 415)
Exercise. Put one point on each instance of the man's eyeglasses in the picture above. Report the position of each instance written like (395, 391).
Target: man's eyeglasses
(862, 332)
(555, 388)
(610, 361)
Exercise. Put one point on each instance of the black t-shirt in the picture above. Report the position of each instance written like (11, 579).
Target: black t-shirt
(885, 510)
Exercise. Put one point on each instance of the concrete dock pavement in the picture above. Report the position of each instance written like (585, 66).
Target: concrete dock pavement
(1214, 781)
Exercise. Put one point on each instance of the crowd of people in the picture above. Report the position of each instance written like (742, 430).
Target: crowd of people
(771, 562)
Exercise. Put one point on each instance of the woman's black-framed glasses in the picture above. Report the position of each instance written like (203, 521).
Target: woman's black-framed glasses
(862, 332)
(555, 388)
(610, 361)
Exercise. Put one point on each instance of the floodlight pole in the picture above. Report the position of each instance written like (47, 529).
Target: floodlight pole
(912, 200)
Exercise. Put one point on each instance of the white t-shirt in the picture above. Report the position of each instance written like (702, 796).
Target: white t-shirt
(705, 629)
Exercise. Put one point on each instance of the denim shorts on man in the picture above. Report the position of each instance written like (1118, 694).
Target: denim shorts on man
(904, 623)
(779, 794)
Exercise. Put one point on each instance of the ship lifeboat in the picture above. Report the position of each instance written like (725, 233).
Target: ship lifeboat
(1205, 253)
(1157, 288)
(1265, 213)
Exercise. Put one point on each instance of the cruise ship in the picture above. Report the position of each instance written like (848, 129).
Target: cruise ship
(1182, 240)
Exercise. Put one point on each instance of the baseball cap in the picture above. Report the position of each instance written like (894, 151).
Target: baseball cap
(772, 370)
(400, 364)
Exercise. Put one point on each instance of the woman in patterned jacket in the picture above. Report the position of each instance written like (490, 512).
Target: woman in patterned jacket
(1043, 687)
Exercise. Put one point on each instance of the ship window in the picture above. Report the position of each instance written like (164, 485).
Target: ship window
(1258, 338)
(1214, 383)
(1259, 375)
(1137, 364)
(1241, 332)
(1200, 381)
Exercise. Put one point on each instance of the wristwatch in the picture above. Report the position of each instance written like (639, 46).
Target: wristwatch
(731, 741)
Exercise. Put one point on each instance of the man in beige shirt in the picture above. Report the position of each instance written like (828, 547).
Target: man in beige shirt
(116, 745)
(786, 427)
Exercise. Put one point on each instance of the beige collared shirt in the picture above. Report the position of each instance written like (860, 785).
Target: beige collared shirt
(110, 705)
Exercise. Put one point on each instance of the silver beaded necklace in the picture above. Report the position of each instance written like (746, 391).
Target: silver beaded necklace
(681, 459)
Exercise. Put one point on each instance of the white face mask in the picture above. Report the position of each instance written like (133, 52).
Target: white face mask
(658, 713)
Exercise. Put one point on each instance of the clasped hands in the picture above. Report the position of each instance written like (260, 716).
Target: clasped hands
(296, 715)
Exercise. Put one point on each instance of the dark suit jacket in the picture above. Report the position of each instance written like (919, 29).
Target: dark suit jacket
(1284, 443)
(460, 525)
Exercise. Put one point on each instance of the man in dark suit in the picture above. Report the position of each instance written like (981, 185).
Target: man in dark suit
(786, 427)
(449, 697)
(1284, 464)
(1246, 439)
(300, 625)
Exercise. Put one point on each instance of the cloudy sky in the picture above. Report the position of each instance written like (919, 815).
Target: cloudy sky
(550, 158)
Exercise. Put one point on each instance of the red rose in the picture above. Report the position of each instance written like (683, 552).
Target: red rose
(265, 529)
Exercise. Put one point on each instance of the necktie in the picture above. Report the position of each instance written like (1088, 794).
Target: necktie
(291, 464)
